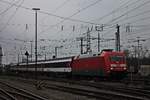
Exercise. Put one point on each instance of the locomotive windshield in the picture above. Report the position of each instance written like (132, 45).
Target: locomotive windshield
(117, 58)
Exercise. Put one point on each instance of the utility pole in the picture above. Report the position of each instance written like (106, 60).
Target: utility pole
(88, 47)
(118, 38)
(25, 41)
(36, 9)
(138, 41)
(31, 49)
(99, 28)
(138, 51)
(135, 51)
(81, 45)
(81, 39)
(98, 41)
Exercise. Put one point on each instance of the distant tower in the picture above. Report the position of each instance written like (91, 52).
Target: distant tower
(1, 54)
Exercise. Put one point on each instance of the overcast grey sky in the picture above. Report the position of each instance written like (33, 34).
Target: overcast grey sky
(17, 23)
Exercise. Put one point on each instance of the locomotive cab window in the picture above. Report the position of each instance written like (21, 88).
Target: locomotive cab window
(117, 58)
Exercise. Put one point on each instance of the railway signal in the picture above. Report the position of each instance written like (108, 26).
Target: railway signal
(27, 55)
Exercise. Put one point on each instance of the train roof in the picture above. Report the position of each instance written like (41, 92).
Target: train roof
(87, 55)
(112, 53)
(102, 53)
(64, 59)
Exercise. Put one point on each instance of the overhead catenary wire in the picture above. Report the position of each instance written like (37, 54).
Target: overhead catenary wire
(79, 11)
(57, 8)
(61, 17)
(61, 5)
(3, 12)
(139, 33)
(135, 8)
(134, 16)
(140, 13)
(65, 18)
(51, 14)
(142, 25)
(135, 33)
(131, 17)
(117, 9)
(141, 19)
(47, 13)
(11, 16)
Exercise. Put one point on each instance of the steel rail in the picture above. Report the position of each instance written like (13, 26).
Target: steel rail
(5, 95)
(100, 94)
(22, 91)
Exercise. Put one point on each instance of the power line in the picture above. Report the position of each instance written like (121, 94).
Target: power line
(141, 19)
(71, 19)
(133, 21)
(64, 18)
(142, 25)
(139, 33)
(84, 8)
(137, 15)
(59, 7)
(7, 42)
(79, 11)
(135, 8)
(50, 14)
(117, 9)
(12, 16)
(9, 8)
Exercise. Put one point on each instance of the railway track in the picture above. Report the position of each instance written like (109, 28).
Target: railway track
(144, 81)
(14, 93)
(98, 94)
(4, 95)
(135, 92)
(101, 91)
(126, 90)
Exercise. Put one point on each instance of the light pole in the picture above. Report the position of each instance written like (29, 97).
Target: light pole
(36, 9)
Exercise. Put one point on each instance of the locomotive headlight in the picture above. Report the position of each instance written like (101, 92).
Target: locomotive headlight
(111, 68)
(124, 68)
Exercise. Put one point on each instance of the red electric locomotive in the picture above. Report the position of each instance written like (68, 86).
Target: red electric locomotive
(108, 63)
